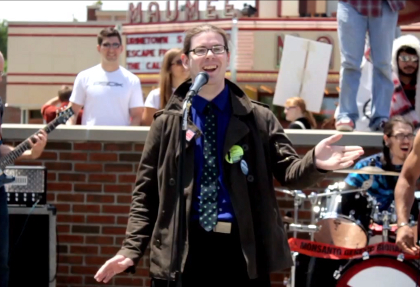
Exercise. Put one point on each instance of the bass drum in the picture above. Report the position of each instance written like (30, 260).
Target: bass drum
(383, 271)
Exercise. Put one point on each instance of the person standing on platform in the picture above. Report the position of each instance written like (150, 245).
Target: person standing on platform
(109, 94)
(37, 148)
(379, 19)
(234, 147)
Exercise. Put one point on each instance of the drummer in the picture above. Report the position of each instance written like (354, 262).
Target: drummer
(397, 143)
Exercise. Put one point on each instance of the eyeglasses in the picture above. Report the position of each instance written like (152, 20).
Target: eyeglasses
(401, 137)
(177, 62)
(201, 51)
(410, 58)
(288, 108)
(109, 45)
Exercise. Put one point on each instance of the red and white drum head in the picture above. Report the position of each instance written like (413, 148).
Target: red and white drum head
(379, 271)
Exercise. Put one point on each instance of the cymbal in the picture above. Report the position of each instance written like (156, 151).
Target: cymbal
(369, 170)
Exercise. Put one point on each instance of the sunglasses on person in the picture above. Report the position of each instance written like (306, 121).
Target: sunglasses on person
(177, 62)
(407, 58)
(289, 108)
(109, 45)
(401, 137)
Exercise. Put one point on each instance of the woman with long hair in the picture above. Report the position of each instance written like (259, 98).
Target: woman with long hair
(298, 115)
(172, 74)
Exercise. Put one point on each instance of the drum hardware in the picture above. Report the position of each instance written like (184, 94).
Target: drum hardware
(314, 196)
(337, 273)
(365, 255)
(311, 228)
(298, 197)
(352, 213)
(290, 282)
(386, 218)
(400, 257)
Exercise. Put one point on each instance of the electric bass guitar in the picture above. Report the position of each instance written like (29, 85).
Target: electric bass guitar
(62, 118)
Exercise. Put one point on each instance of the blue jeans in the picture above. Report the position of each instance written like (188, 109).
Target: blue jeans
(4, 239)
(352, 28)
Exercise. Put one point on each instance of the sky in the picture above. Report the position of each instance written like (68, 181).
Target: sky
(66, 11)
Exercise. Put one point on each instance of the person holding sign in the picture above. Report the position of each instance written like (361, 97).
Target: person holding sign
(234, 146)
(172, 75)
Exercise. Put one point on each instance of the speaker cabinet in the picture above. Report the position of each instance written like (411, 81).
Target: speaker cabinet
(32, 246)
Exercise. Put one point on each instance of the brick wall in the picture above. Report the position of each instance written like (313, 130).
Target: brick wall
(11, 114)
(90, 183)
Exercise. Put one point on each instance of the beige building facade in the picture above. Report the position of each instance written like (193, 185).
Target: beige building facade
(44, 56)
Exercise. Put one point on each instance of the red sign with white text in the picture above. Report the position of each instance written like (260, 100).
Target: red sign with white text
(327, 251)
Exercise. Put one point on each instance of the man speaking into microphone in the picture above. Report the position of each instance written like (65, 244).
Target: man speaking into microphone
(234, 146)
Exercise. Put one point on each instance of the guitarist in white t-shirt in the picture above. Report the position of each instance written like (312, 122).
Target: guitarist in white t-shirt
(110, 94)
(37, 148)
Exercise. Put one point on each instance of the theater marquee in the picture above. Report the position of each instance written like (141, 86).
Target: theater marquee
(144, 52)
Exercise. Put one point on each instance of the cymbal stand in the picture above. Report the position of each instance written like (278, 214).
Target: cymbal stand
(315, 195)
(385, 223)
(313, 198)
(298, 196)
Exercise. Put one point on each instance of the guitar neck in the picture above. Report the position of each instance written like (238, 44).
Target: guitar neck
(25, 145)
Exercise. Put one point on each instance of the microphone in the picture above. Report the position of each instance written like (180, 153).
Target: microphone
(201, 79)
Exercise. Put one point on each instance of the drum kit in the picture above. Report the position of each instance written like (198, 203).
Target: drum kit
(330, 226)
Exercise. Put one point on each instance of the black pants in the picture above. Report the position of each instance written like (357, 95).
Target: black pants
(216, 260)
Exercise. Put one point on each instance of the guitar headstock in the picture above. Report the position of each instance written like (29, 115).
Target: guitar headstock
(64, 114)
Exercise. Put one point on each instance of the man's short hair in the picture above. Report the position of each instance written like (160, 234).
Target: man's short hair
(408, 50)
(64, 94)
(108, 32)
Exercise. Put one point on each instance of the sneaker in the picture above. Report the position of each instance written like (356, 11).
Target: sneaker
(344, 124)
(380, 127)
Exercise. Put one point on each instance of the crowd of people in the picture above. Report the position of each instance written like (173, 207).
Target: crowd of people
(235, 235)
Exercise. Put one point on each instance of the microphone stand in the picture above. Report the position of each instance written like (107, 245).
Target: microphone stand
(180, 189)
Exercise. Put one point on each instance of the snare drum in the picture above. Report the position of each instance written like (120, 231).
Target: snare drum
(343, 230)
(383, 271)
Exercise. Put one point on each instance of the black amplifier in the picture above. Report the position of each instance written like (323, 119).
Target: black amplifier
(29, 186)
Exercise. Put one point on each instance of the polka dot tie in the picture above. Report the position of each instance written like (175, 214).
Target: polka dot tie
(209, 177)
